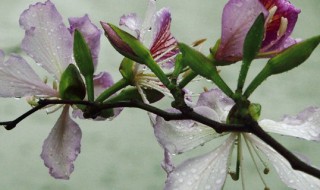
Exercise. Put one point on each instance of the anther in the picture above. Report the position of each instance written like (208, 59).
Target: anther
(283, 27)
(272, 11)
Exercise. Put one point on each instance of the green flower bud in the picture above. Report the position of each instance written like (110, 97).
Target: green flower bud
(82, 54)
(293, 56)
(127, 70)
(255, 111)
(126, 44)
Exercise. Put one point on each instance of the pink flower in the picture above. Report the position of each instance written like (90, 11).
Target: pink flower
(239, 15)
(49, 43)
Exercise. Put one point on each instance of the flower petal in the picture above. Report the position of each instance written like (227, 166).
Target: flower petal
(218, 101)
(62, 146)
(208, 171)
(47, 40)
(305, 125)
(163, 46)
(90, 32)
(148, 20)
(284, 10)
(292, 178)
(237, 18)
(18, 79)
(132, 21)
(179, 136)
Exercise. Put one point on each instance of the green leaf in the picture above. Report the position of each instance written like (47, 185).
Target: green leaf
(82, 54)
(71, 85)
(83, 58)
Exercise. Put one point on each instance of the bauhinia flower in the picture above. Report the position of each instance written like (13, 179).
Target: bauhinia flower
(239, 15)
(163, 46)
(210, 170)
(49, 42)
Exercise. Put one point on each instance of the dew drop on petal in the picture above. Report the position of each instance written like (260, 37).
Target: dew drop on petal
(218, 181)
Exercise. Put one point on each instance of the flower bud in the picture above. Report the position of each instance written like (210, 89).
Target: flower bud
(293, 56)
(126, 44)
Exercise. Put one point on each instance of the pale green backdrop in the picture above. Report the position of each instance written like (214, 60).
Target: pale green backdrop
(123, 154)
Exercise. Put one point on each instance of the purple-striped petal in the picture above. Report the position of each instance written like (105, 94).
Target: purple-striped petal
(90, 32)
(218, 101)
(237, 18)
(305, 125)
(208, 171)
(284, 9)
(18, 79)
(163, 46)
(47, 40)
(62, 146)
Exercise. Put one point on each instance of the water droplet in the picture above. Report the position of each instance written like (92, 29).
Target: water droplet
(181, 180)
(218, 181)
(207, 187)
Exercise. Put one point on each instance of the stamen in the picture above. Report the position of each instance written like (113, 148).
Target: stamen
(272, 11)
(235, 175)
(164, 53)
(283, 27)
(198, 42)
(264, 163)
(241, 162)
(250, 146)
(155, 86)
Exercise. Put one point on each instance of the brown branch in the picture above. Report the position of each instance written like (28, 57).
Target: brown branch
(250, 127)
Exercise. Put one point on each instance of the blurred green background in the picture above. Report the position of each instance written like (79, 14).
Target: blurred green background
(123, 154)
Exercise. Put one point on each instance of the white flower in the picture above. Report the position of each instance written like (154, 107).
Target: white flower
(209, 171)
